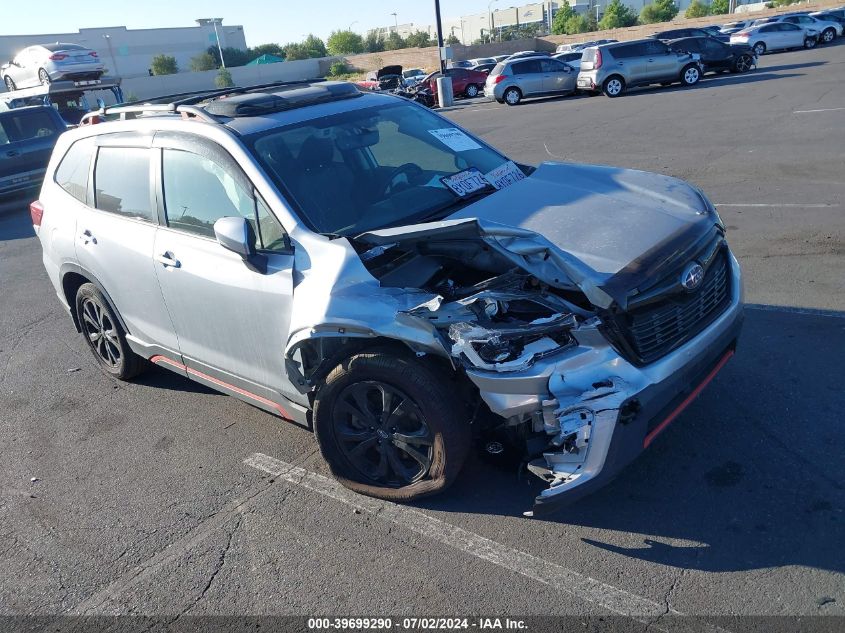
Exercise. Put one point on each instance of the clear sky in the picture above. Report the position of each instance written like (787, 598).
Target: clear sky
(264, 21)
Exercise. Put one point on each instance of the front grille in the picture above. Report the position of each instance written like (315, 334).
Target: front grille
(653, 331)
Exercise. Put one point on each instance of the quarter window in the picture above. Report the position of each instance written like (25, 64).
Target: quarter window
(72, 174)
(122, 182)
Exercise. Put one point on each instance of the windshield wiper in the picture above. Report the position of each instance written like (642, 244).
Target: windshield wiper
(457, 203)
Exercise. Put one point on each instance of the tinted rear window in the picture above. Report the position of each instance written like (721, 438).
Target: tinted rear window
(63, 47)
(589, 55)
(122, 182)
(22, 126)
(498, 69)
(72, 174)
(527, 67)
(628, 50)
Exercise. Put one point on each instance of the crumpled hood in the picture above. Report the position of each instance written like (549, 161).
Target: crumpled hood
(607, 217)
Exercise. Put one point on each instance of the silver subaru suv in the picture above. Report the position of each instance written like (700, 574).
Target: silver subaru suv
(359, 265)
(613, 68)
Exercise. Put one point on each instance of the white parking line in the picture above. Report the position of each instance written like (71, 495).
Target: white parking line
(805, 311)
(565, 580)
(785, 205)
(819, 110)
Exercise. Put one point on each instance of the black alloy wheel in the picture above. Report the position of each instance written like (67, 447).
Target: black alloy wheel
(382, 433)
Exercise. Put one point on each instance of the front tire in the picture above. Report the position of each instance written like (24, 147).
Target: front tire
(759, 48)
(613, 86)
(389, 427)
(471, 91)
(10, 83)
(43, 77)
(512, 96)
(828, 35)
(690, 75)
(810, 43)
(104, 335)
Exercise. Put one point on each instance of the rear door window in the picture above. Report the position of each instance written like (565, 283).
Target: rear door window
(122, 182)
(528, 67)
(654, 48)
(72, 174)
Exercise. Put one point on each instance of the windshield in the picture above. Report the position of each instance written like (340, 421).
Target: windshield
(371, 168)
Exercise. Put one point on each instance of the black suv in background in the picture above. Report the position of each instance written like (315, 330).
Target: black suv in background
(27, 137)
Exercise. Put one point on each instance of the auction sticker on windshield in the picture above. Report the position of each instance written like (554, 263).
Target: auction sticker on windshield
(465, 182)
(454, 139)
(504, 175)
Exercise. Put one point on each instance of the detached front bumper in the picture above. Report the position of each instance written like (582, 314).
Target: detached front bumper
(612, 408)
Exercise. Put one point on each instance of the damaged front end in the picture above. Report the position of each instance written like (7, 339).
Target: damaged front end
(527, 324)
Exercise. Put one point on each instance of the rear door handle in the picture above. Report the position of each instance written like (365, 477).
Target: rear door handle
(87, 237)
(167, 259)
(12, 153)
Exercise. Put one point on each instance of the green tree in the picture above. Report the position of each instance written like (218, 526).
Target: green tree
(374, 43)
(658, 11)
(697, 9)
(418, 39)
(617, 15)
(345, 43)
(203, 61)
(164, 65)
(394, 42)
(577, 24)
(337, 69)
(223, 79)
(719, 7)
(232, 56)
(266, 49)
(315, 46)
(451, 40)
(563, 14)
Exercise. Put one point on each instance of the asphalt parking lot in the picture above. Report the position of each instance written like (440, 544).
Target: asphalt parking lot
(164, 498)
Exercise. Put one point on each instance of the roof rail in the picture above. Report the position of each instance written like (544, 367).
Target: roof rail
(168, 108)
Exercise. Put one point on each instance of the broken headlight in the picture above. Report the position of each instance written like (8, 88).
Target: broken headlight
(511, 347)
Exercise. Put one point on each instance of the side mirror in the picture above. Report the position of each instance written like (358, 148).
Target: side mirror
(236, 235)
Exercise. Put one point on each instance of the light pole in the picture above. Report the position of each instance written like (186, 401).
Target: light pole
(111, 53)
(396, 21)
(214, 22)
(350, 26)
(490, 14)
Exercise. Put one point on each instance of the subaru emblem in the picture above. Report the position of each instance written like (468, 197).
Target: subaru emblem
(692, 276)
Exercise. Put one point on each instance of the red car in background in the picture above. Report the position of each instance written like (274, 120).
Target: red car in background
(465, 82)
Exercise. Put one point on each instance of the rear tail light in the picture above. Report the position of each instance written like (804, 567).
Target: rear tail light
(36, 210)
(499, 79)
(742, 34)
(597, 63)
(57, 57)
(93, 54)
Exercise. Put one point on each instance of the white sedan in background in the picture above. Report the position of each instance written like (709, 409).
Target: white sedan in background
(45, 63)
(774, 36)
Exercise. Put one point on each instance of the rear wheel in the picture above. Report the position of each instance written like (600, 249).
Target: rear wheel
(828, 35)
(390, 428)
(810, 42)
(512, 96)
(743, 64)
(471, 91)
(10, 83)
(104, 335)
(759, 48)
(613, 86)
(690, 75)
(43, 76)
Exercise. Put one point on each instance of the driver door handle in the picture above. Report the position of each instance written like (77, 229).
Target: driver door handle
(167, 260)
(87, 237)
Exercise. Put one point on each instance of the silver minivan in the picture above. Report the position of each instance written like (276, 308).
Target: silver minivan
(612, 68)
(512, 81)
